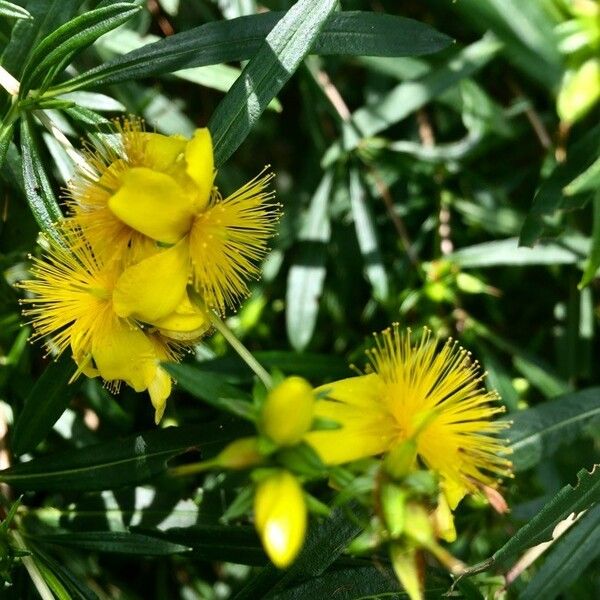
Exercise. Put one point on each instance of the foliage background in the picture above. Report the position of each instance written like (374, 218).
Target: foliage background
(406, 183)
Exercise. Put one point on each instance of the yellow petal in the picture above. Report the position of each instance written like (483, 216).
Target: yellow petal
(153, 288)
(280, 517)
(200, 164)
(444, 520)
(364, 390)
(162, 152)
(159, 390)
(153, 204)
(454, 491)
(122, 352)
(187, 322)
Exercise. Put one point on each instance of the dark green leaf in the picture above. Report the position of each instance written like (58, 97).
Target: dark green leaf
(47, 15)
(593, 262)
(569, 557)
(326, 540)
(120, 462)
(538, 432)
(46, 402)
(38, 190)
(539, 529)
(550, 196)
(264, 76)
(236, 544)
(312, 366)
(8, 9)
(349, 33)
(71, 37)
(307, 275)
(114, 542)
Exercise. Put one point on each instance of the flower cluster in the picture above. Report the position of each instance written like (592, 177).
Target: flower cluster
(149, 259)
(148, 255)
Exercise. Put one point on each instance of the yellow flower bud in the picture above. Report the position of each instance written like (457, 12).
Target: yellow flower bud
(280, 517)
(418, 527)
(287, 413)
(240, 454)
(444, 520)
(405, 562)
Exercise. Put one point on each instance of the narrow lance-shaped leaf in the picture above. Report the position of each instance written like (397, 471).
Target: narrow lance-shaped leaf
(593, 262)
(551, 196)
(324, 543)
(570, 499)
(352, 33)
(568, 558)
(367, 237)
(307, 274)
(120, 462)
(8, 9)
(45, 403)
(538, 432)
(38, 190)
(75, 35)
(263, 77)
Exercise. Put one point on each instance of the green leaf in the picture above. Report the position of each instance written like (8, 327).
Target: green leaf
(565, 251)
(409, 96)
(325, 541)
(593, 262)
(8, 9)
(551, 197)
(265, 75)
(114, 542)
(211, 388)
(307, 274)
(569, 557)
(538, 432)
(47, 15)
(38, 190)
(367, 237)
(45, 403)
(6, 134)
(527, 33)
(120, 462)
(589, 180)
(539, 529)
(230, 543)
(52, 53)
(347, 33)
(309, 365)
(361, 582)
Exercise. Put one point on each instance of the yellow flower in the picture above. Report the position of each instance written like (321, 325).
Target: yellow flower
(280, 516)
(73, 307)
(414, 392)
(287, 413)
(154, 203)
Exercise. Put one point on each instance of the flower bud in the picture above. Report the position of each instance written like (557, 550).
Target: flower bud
(400, 460)
(280, 517)
(240, 454)
(287, 413)
(418, 527)
(405, 562)
(393, 506)
(444, 520)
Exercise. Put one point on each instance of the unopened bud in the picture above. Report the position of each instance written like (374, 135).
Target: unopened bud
(240, 454)
(444, 520)
(400, 460)
(405, 562)
(280, 517)
(393, 506)
(418, 525)
(287, 413)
